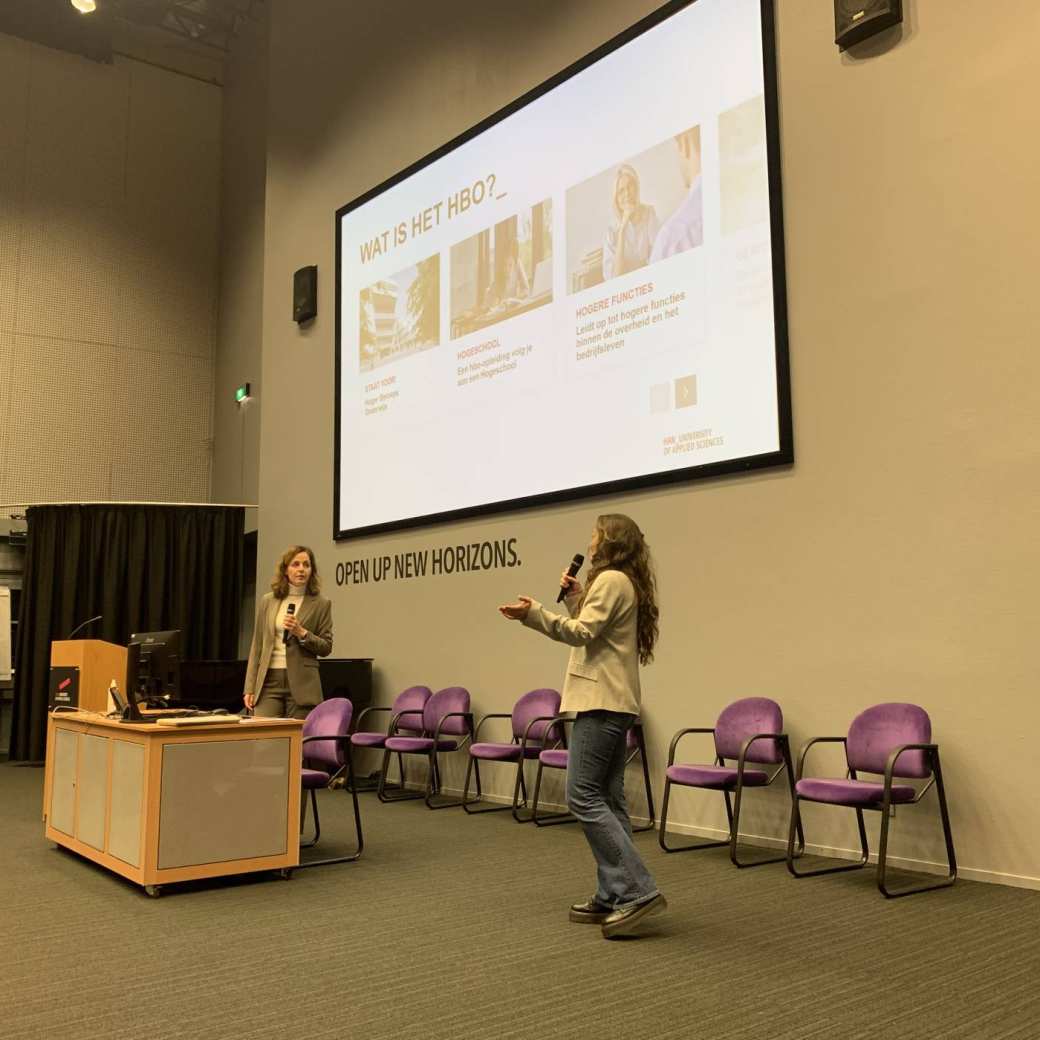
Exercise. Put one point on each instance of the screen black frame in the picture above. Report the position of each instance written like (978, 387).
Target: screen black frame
(783, 456)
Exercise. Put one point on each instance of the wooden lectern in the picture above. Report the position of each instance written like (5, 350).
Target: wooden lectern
(98, 663)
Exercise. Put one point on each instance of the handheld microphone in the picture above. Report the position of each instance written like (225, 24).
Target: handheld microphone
(289, 611)
(572, 572)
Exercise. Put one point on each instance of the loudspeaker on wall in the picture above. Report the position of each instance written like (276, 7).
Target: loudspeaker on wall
(856, 20)
(305, 294)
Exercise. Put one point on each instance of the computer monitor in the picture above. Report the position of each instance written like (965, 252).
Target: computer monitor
(153, 668)
(211, 685)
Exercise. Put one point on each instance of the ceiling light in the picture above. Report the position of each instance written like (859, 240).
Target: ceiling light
(84, 6)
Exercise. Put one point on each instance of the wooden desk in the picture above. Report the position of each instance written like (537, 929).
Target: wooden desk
(157, 804)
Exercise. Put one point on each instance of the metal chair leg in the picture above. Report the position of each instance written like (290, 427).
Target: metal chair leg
(692, 846)
(474, 766)
(641, 751)
(356, 854)
(433, 798)
(735, 825)
(317, 823)
(951, 857)
(547, 819)
(796, 827)
(520, 788)
(394, 792)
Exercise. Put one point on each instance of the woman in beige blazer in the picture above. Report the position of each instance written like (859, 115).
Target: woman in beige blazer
(611, 629)
(293, 629)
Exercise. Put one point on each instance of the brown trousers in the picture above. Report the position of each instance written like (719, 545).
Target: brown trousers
(275, 700)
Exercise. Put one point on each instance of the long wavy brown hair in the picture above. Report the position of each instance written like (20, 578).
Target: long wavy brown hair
(280, 581)
(622, 547)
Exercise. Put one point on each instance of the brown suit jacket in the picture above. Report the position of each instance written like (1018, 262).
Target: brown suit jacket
(301, 656)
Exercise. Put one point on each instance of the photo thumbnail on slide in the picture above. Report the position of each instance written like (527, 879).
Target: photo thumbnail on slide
(400, 315)
(743, 166)
(502, 271)
(646, 208)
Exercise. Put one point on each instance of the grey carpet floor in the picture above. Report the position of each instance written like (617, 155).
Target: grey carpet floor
(453, 926)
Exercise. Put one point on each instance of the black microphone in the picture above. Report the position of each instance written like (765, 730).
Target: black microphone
(572, 572)
(79, 628)
(289, 611)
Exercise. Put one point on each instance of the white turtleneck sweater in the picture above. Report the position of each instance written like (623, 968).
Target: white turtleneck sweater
(278, 654)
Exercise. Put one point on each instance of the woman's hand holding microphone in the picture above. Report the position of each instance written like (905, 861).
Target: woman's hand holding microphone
(570, 585)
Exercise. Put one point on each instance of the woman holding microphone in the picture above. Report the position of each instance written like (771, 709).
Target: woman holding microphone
(293, 629)
(612, 629)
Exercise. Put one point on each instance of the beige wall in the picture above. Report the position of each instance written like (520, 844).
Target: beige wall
(236, 428)
(897, 559)
(108, 278)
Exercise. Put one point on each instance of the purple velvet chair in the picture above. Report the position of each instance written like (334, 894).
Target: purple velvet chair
(748, 730)
(890, 740)
(556, 758)
(412, 699)
(327, 762)
(530, 720)
(445, 723)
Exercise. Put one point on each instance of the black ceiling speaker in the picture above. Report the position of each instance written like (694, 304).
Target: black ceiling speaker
(305, 294)
(856, 20)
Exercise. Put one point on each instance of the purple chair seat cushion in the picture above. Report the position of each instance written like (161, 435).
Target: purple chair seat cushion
(313, 778)
(498, 752)
(717, 778)
(851, 792)
(419, 745)
(555, 758)
(366, 739)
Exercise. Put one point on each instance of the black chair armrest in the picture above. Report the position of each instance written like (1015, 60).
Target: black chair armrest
(890, 765)
(552, 720)
(682, 733)
(468, 715)
(392, 728)
(364, 712)
(562, 720)
(780, 738)
(494, 715)
(345, 737)
(818, 740)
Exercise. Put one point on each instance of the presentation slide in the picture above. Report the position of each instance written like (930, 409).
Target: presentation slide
(577, 299)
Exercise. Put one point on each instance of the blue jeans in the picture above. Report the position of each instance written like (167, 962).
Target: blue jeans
(596, 796)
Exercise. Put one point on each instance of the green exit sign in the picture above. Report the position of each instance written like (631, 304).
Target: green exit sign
(242, 393)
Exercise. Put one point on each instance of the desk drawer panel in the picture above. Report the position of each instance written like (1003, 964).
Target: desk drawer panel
(62, 815)
(93, 790)
(124, 832)
(223, 800)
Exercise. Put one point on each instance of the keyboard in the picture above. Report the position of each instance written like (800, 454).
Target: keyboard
(196, 720)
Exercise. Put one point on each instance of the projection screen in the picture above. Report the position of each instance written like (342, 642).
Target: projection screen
(581, 295)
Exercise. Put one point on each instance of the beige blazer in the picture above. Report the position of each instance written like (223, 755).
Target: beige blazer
(603, 670)
(301, 656)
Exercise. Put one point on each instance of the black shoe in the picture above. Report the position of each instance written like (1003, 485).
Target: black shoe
(623, 922)
(590, 912)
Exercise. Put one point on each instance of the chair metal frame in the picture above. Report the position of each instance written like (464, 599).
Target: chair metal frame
(732, 808)
(551, 819)
(369, 784)
(337, 779)
(885, 807)
(362, 785)
(519, 784)
(431, 793)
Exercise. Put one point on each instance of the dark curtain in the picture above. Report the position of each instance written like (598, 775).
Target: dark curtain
(144, 568)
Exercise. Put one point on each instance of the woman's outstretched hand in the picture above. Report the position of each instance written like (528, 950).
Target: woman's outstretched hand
(516, 611)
